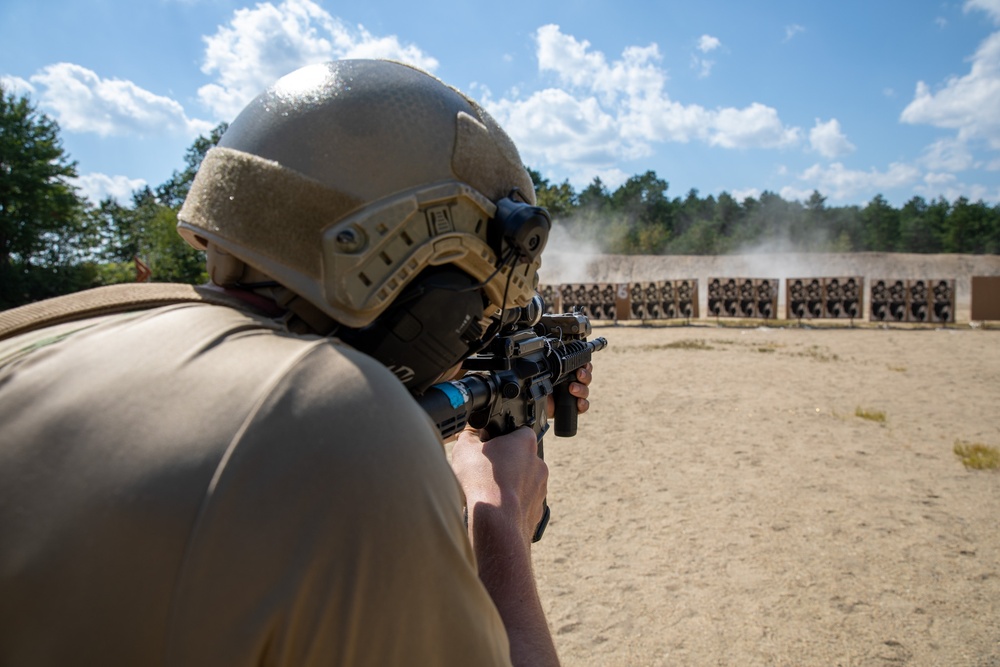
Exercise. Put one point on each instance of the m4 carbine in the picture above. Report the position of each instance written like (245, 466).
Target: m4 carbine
(509, 383)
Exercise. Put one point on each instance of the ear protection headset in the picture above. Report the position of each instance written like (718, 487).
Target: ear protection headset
(437, 321)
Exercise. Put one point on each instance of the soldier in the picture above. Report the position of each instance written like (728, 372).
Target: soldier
(241, 476)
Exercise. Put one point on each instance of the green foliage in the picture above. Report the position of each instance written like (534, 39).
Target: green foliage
(639, 218)
(169, 257)
(558, 200)
(876, 416)
(595, 197)
(921, 226)
(971, 228)
(145, 231)
(52, 241)
(43, 234)
(881, 225)
(975, 456)
(173, 192)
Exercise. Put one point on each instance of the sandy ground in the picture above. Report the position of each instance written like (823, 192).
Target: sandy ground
(722, 504)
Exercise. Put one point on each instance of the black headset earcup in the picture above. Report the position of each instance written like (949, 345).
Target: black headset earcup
(519, 227)
(431, 327)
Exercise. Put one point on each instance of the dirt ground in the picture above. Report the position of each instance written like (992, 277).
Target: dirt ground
(723, 503)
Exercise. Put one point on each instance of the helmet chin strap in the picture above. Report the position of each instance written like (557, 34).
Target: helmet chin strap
(223, 269)
(302, 317)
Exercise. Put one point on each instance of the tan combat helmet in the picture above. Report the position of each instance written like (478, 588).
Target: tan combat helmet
(346, 180)
(379, 198)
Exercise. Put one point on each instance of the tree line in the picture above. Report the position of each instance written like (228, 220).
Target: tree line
(639, 217)
(54, 241)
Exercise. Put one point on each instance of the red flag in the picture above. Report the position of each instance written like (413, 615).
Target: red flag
(142, 272)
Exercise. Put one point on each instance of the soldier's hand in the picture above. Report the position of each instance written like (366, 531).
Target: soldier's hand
(580, 389)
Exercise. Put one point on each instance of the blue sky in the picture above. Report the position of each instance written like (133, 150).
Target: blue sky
(853, 99)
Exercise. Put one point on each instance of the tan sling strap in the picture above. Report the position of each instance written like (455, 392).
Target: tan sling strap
(106, 301)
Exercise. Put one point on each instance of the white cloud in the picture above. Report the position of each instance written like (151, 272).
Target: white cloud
(612, 178)
(948, 186)
(96, 187)
(262, 44)
(702, 65)
(256, 48)
(15, 85)
(792, 193)
(635, 75)
(562, 128)
(742, 195)
(756, 126)
(81, 101)
(708, 43)
(793, 30)
(827, 139)
(967, 104)
(607, 111)
(991, 7)
(948, 155)
(938, 180)
(661, 119)
(846, 184)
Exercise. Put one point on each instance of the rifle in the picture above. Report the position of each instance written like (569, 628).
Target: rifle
(532, 357)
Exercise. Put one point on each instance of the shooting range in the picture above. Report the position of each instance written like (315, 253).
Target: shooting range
(913, 300)
(834, 298)
(819, 298)
(746, 487)
(887, 288)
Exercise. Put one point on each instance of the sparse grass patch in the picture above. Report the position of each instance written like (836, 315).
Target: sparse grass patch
(975, 456)
(739, 323)
(897, 369)
(819, 354)
(686, 344)
(876, 416)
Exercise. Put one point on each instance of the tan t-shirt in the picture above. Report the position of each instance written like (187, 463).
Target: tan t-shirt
(191, 485)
